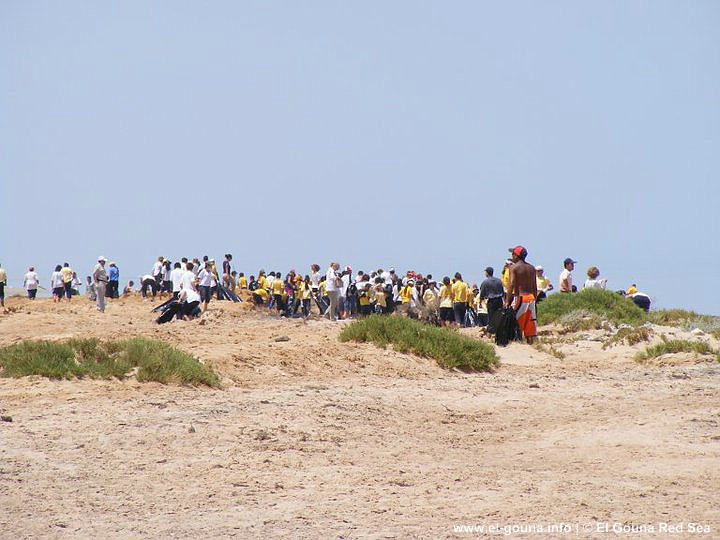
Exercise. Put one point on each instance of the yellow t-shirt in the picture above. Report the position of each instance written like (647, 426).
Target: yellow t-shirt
(542, 283)
(506, 279)
(406, 294)
(278, 286)
(262, 293)
(446, 296)
(242, 282)
(306, 291)
(66, 274)
(380, 297)
(460, 291)
(364, 297)
(262, 282)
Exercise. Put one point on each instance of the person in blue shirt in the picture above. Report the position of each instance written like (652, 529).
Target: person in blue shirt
(113, 281)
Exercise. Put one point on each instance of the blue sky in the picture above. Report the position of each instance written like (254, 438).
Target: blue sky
(423, 135)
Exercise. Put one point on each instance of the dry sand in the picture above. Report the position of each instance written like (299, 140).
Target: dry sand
(312, 438)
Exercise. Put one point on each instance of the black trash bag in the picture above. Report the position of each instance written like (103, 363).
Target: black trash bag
(507, 328)
(470, 318)
(169, 312)
(321, 304)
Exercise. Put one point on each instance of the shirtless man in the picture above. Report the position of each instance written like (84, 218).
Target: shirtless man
(522, 292)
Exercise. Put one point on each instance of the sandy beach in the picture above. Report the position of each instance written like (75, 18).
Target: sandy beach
(313, 438)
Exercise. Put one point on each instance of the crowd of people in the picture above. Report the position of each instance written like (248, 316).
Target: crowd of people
(335, 293)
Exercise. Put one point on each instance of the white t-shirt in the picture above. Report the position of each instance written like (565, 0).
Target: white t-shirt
(191, 296)
(206, 278)
(165, 273)
(157, 268)
(31, 280)
(315, 280)
(330, 278)
(186, 280)
(566, 275)
(146, 277)
(595, 284)
(176, 277)
(345, 285)
(56, 280)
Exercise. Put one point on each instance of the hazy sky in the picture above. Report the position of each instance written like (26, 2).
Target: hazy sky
(424, 135)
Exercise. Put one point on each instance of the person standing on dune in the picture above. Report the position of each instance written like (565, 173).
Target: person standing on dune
(565, 281)
(333, 283)
(522, 293)
(100, 279)
(67, 278)
(31, 282)
(3, 284)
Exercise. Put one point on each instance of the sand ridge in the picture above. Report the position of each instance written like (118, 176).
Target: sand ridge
(314, 438)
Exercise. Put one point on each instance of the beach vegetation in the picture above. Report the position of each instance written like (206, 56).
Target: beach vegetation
(447, 347)
(674, 346)
(629, 335)
(687, 320)
(95, 359)
(549, 348)
(588, 309)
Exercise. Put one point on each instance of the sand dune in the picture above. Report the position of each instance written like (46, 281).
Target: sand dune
(313, 438)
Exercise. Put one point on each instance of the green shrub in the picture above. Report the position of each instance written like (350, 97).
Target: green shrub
(448, 348)
(606, 305)
(687, 320)
(78, 358)
(98, 359)
(671, 317)
(629, 335)
(676, 346)
(45, 358)
(158, 361)
(582, 320)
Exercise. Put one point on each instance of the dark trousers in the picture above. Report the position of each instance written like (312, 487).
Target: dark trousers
(190, 308)
(205, 293)
(113, 289)
(459, 309)
(389, 303)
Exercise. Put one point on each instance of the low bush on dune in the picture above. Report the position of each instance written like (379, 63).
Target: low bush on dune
(95, 359)
(674, 346)
(629, 335)
(54, 360)
(594, 308)
(581, 320)
(687, 320)
(448, 348)
(670, 317)
(160, 362)
(590, 303)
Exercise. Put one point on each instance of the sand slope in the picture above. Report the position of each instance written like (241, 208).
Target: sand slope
(314, 438)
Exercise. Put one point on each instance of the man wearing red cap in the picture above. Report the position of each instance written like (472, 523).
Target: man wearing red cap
(522, 292)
